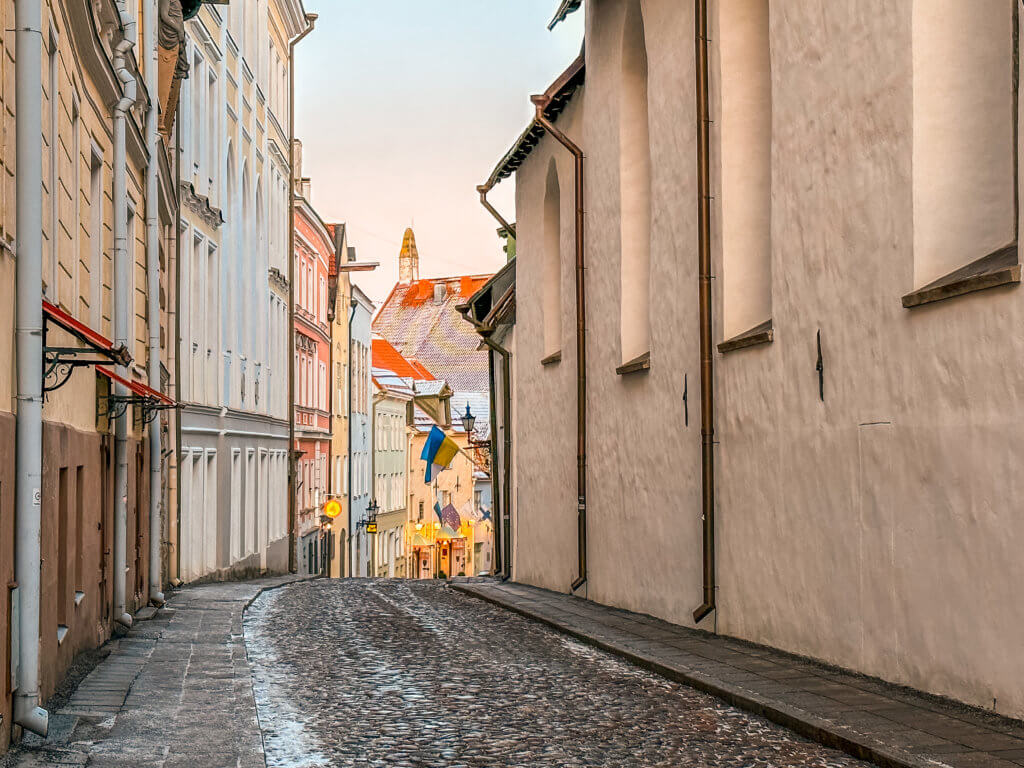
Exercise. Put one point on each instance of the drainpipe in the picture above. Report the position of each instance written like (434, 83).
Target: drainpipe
(707, 395)
(29, 341)
(176, 580)
(122, 318)
(506, 459)
(541, 102)
(351, 533)
(496, 486)
(156, 596)
(483, 189)
(292, 533)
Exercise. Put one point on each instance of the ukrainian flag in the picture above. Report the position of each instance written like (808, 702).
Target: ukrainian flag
(439, 452)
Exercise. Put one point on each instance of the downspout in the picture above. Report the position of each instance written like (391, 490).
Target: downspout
(496, 485)
(292, 533)
(348, 386)
(29, 341)
(156, 596)
(122, 323)
(483, 189)
(707, 395)
(506, 459)
(541, 102)
(176, 580)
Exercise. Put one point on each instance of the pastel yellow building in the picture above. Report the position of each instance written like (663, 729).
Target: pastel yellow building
(93, 267)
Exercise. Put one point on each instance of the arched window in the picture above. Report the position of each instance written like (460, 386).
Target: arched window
(552, 271)
(744, 199)
(635, 189)
(964, 135)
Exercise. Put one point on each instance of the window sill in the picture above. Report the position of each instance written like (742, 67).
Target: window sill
(554, 357)
(761, 334)
(999, 268)
(636, 365)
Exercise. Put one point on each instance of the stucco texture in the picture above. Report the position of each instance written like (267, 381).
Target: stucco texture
(874, 530)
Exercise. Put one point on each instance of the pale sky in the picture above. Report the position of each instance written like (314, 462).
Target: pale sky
(405, 106)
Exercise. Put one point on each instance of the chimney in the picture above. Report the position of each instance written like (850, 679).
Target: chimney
(408, 260)
(440, 292)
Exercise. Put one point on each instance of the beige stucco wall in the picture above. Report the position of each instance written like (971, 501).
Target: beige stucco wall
(875, 530)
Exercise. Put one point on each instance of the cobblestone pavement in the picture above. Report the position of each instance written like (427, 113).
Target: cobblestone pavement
(412, 673)
(176, 692)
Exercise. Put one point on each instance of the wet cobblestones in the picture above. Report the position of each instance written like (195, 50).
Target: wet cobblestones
(410, 673)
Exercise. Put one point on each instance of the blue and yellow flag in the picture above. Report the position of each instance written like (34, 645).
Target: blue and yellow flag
(439, 452)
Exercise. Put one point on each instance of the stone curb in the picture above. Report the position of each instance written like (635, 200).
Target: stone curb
(272, 587)
(805, 724)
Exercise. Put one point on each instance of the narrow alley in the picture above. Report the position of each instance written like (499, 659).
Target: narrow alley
(385, 673)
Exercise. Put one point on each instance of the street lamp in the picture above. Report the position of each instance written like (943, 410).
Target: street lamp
(468, 421)
(469, 424)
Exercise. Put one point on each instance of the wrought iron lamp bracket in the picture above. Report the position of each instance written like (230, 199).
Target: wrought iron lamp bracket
(60, 362)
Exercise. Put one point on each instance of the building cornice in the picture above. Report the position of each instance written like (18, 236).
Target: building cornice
(200, 206)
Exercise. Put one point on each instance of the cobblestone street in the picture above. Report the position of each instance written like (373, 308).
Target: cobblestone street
(396, 673)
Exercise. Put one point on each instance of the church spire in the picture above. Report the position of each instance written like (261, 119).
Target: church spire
(408, 259)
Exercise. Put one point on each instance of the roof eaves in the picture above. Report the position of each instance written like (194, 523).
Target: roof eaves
(565, 8)
(560, 93)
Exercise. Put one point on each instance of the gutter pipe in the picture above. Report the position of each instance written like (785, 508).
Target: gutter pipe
(483, 189)
(506, 459)
(29, 342)
(176, 580)
(541, 102)
(348, 490)
(707, 395)
(292, 521)
(122, 321)
(156, 596)
(497, 485)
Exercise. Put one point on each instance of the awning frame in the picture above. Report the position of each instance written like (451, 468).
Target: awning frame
(60, 362)
(144, 397)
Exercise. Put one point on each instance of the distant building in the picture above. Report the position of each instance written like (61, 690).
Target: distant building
(360, 431)
(392, 404)
(314, 255)
(339, 311)
(420, 318)
(234, 297)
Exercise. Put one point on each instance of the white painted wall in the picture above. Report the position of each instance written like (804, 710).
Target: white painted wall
(879, 530)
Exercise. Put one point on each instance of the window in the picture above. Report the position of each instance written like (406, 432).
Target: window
(74, 303)
(635, 190)
(323, 387)
(199, 122)
(212, 125)
(964, 133)
(212, 316)
(552, 263)
(51, 283)
(323, 301)
(95, 237)
(744, 200)
(236, 508)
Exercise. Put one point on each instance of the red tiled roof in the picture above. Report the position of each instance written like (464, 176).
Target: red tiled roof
(387, 357)
(432, 332)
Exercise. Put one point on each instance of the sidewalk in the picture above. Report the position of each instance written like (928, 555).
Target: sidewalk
(180, 680)
(890, 726)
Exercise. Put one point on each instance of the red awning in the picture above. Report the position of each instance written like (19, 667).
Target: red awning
(84, 333)
(138, 388)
